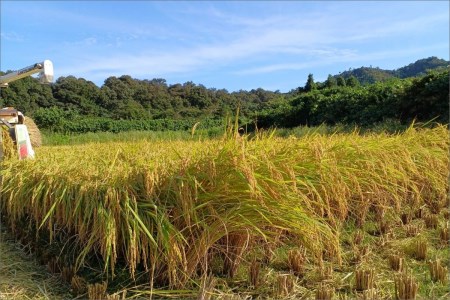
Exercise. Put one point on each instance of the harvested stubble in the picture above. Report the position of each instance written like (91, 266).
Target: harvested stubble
(370, 294)
(444, 234)
(396, 262)
(97, 291)
(420, 249)
(364, 279)
(325, 272)
(406, 286)
(285, 285)
(438, 271)
(413, 229)
(297, 260)
(406, 218)
(431, 221)
(207, 286)
(253, 274)
(418, 214)
(162, 206)
(78, 284)
(324, 292)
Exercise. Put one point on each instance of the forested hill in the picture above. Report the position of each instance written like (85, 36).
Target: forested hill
(373, 74)
(123, 103)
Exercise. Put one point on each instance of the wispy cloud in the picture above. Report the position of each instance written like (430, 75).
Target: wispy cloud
(211, 38)
(341, 57)
(11, 36)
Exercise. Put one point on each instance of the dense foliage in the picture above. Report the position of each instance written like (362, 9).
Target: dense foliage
(421, 99)
(76, 105)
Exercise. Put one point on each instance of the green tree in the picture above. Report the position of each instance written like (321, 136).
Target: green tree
(77, 94)
(340, 81)
(331, 82)
(352, 81)
(310, 84)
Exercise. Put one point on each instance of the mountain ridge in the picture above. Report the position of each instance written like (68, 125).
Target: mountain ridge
(368, 75)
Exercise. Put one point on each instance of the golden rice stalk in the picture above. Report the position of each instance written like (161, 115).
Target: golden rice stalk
(33, 132)
(112, 297)
(97, 291)
(385, 239)
(164, 205)
(236, 245)
(364, 279)
(438, 271)
(324, 292)
(405, 287)
(270, 246)
(380, 212)
(8, 148)
(194, 128)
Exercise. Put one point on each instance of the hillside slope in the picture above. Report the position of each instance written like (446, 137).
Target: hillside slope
(367, 75)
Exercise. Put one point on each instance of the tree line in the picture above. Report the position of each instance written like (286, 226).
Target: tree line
(122, 103)
(422, 99)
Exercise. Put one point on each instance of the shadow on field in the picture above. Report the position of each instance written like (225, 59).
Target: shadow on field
(21, 277)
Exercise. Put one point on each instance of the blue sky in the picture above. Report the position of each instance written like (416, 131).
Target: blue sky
(228, 44)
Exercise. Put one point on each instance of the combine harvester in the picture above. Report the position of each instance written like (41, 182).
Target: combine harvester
(13, 119)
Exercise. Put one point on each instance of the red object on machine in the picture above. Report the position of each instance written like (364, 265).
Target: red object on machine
(23, 151)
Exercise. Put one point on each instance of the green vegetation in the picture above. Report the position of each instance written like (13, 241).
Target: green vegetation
(369, 75)
(197, 133)
(403, 100)
(74, 105)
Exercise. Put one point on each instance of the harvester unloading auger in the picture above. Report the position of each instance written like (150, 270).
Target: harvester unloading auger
(22, 130)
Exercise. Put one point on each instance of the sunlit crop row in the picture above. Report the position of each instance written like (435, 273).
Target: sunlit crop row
(165, 208)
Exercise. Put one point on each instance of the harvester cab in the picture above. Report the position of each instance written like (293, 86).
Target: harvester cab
(14, 121)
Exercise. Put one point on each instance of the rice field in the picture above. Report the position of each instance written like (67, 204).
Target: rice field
(322, 216)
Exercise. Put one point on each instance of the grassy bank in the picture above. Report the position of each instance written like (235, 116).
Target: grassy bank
(195, 133)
